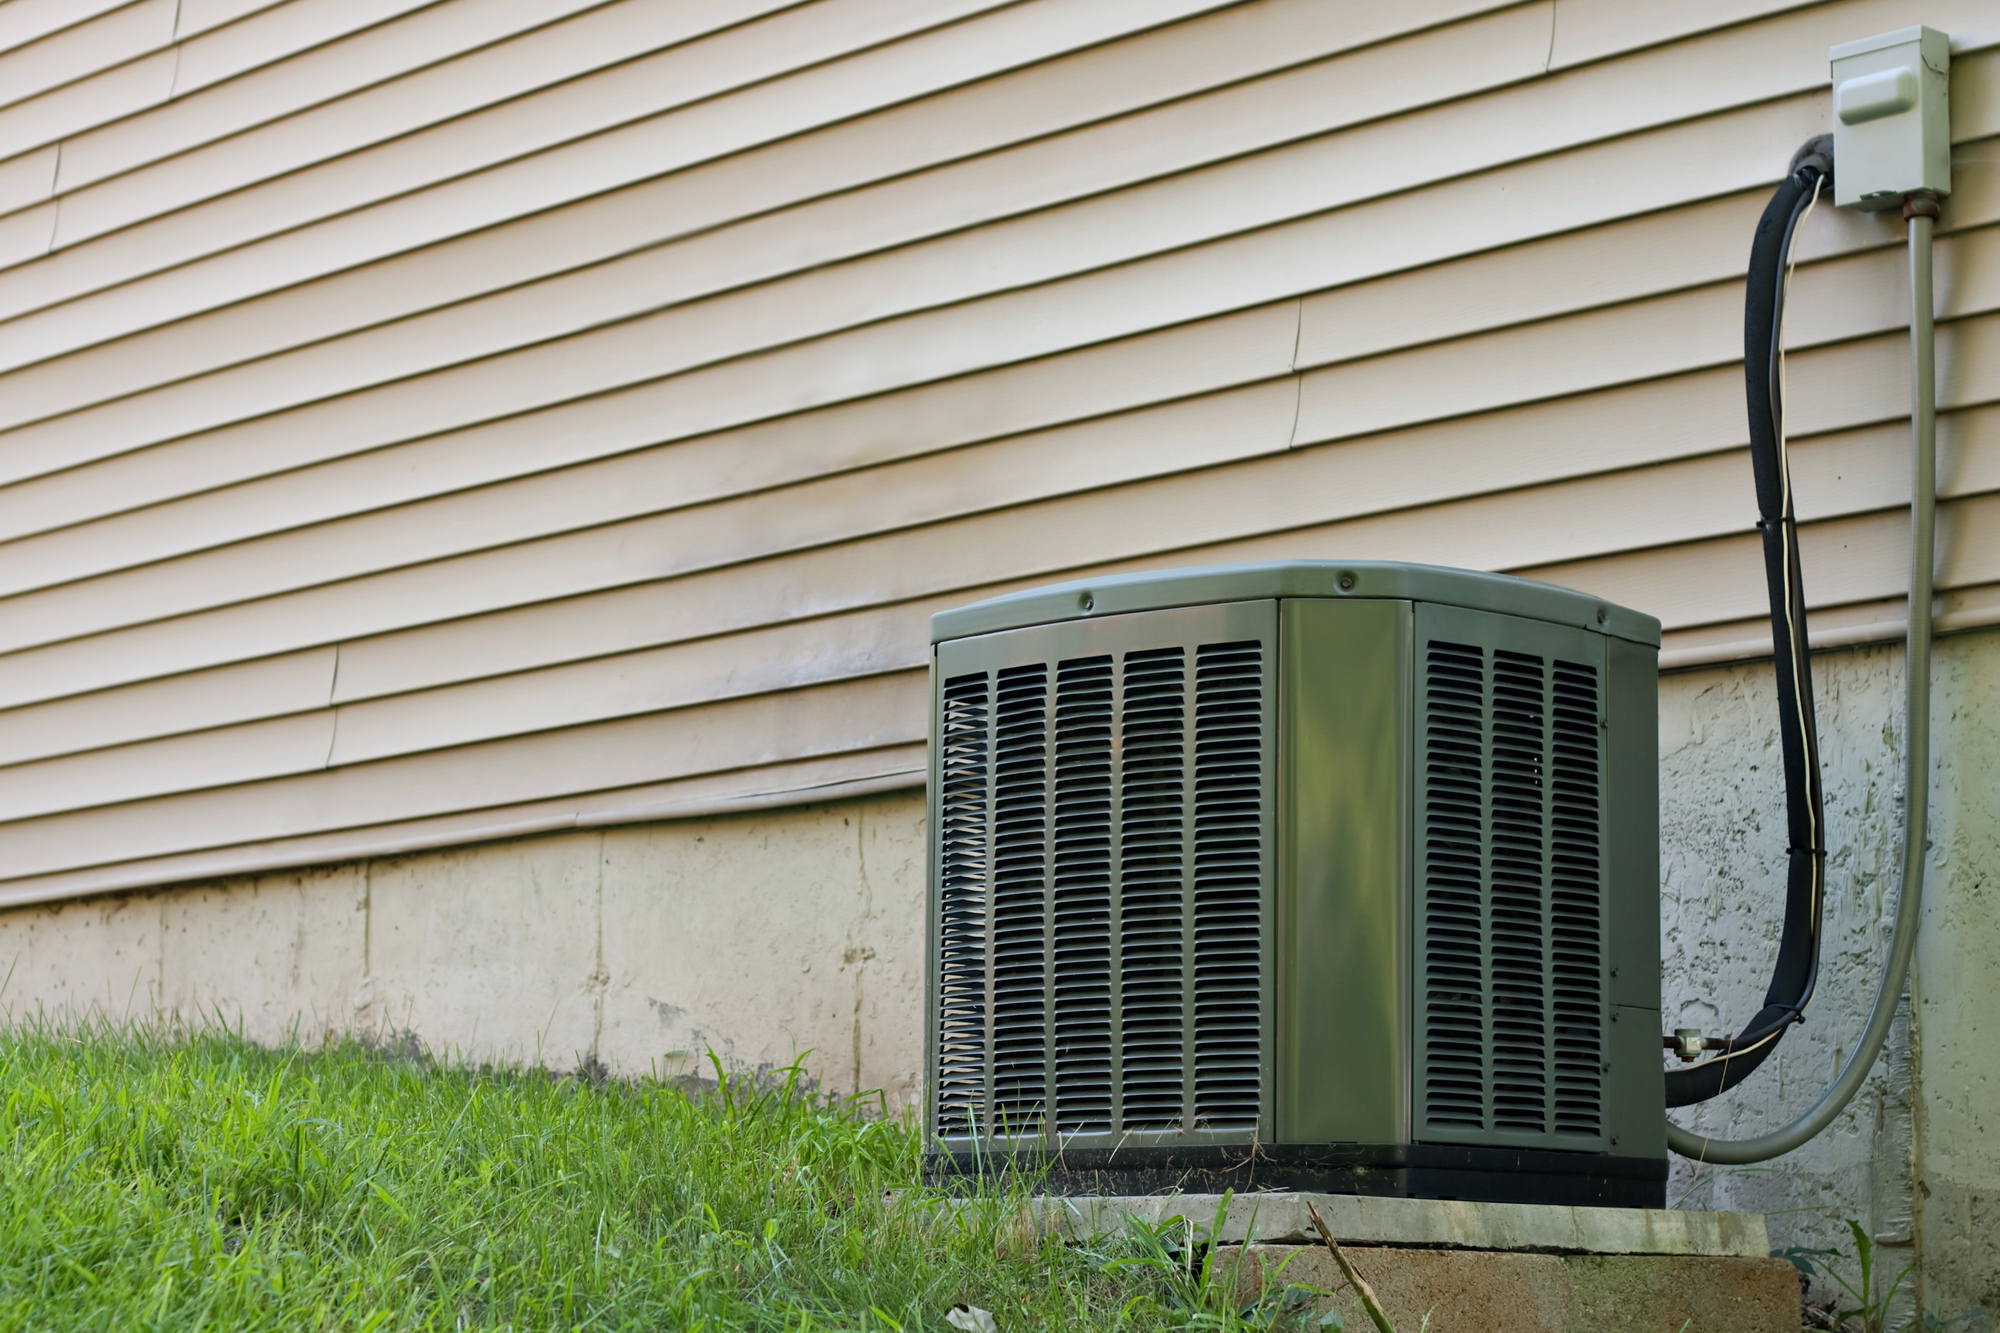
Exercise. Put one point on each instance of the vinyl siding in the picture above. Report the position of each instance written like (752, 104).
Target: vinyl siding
(421, 423)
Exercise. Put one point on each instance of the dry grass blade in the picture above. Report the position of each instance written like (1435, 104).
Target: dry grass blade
(1366, 1292)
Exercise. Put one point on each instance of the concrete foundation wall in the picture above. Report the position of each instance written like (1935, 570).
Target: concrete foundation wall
(1957, 1162)
(1723, 878)
(770, 935)
(1914, 1159)
(762, 937)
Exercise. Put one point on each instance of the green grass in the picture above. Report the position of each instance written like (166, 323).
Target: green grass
(152, 1179)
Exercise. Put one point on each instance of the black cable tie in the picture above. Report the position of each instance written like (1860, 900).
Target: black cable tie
(1788, 1015)
(1796, 1011)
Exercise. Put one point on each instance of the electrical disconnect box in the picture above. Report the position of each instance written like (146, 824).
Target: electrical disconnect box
(1891, 130)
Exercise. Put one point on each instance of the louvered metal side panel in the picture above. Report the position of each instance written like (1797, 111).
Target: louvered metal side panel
(1019, 983)
(1081, 942)
(1453, 811)
(1152, 872)
(1577, 935)
(963, 775)
(1231, 783)
(1121, 903)
(1510, 932)
(1517, 905)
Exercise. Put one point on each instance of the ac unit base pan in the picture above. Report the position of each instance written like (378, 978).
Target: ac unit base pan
(1398, 1170)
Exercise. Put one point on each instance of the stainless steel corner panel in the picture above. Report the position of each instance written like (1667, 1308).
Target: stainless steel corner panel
(1343, 1012)
(1635, 1098)
(1632, 789)
(1637, 1081)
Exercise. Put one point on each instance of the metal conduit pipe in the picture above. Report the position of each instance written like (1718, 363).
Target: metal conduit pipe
(1921, 211)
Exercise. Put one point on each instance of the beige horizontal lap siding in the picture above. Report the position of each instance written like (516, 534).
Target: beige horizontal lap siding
(1121, 300)
(893, 768)
(27, 179)
(528, 82)
(283, 61)
(815, 64)
(259, 28)
(866, 715)
(470, 419)
(97, 99)
(833, 228)
(194, 701)
(77, 52)
(65, 441)
(26, 233)
(25, 21)
(1626, 342)
(1843, 481)
(1879, 621)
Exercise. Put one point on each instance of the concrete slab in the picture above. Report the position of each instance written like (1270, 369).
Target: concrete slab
(1431, 1223)
(1480, 1291)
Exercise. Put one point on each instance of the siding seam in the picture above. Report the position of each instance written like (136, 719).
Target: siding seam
(173, 80)
(332, 692)
(1298, 380)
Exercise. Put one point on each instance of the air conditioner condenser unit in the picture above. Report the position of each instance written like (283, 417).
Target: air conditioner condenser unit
(1300, 875)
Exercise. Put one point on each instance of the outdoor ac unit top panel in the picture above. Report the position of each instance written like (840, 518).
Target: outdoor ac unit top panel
(1122, 594)
(1346, 867)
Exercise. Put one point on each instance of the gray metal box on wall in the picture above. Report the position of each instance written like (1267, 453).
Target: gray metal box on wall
(1298, 875)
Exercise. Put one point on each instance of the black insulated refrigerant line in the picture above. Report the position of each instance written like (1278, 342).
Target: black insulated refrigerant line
(1797, 968)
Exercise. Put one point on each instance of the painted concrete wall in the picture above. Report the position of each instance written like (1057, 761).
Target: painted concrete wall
(1958, 991)
(763, 936)
(1914, 1159)
(1723, 876)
